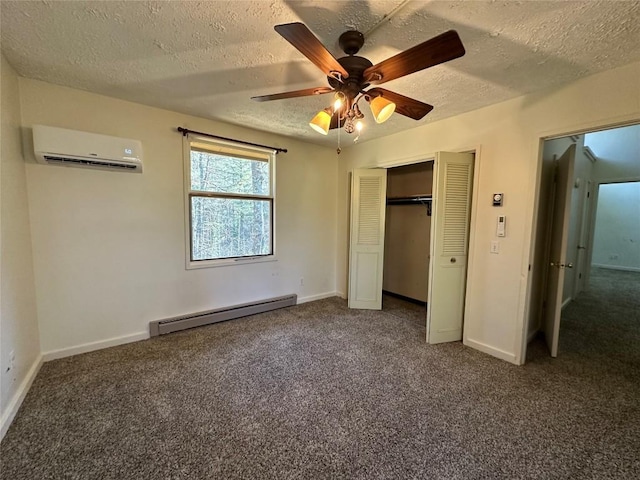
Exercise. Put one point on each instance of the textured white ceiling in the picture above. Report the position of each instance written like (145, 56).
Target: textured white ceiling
(208, 58)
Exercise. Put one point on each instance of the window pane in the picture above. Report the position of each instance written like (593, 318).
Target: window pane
(229, 227)
(211, 172)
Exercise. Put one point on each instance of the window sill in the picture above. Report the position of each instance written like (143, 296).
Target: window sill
(229, 262)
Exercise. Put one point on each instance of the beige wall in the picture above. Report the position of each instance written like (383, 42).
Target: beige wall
(109, 247)
(507, 137)
(18, 322)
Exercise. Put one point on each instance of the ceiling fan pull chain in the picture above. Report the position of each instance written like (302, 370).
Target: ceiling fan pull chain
(339, 149)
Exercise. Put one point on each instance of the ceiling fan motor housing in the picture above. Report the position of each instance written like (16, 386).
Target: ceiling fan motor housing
(352, 85)
(351, 42)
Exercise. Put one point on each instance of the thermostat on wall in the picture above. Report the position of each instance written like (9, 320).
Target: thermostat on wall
(497, 199)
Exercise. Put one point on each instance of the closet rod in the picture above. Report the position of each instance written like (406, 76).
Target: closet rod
(414, 200)
(186, 131)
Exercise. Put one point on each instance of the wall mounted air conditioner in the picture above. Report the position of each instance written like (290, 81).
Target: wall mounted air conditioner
(59, 146)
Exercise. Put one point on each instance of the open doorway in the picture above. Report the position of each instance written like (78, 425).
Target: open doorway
(408, 232)
(407, 240)
(587, 244)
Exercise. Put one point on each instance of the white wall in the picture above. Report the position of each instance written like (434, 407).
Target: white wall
(508, 137)
(18, 321)
(618, 152)
(109, 247)
(617, 228)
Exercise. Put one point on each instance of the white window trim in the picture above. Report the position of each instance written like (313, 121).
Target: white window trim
(224, 262)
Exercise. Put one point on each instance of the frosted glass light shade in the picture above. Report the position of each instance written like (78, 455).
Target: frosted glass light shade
(321, 122)
(382, 109)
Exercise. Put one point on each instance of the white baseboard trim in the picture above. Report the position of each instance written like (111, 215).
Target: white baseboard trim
(566, 302)
(342, 295)
(495, 352)
(320, 296)
(90, 347)
(616, 267)
(14, 405)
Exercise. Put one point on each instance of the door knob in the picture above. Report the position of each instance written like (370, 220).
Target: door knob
(561, 265)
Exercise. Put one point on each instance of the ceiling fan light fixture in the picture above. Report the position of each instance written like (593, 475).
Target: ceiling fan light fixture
(350, 75)
(321, 122)
(339, 101)
(382, 109)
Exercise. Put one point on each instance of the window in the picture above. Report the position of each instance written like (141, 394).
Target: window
(230, 202)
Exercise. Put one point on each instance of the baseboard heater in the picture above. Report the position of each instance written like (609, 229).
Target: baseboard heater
(169, 325)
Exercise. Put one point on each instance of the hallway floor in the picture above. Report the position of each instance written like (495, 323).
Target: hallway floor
(602, 324)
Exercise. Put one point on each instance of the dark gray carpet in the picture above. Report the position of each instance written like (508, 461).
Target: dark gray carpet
(317, 391)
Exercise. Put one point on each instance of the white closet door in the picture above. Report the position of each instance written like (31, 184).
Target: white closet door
(453, 178)
(366, 243)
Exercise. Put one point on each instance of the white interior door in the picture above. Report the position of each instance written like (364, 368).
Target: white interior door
(582, 256)
(452, 183)
(558, 248)
(366, 241)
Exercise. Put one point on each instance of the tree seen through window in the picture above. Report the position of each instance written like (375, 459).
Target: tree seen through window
(231, 206)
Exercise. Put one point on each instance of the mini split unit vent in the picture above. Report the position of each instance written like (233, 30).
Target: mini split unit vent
(59, 146)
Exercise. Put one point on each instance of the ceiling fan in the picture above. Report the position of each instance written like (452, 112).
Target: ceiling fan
(351, 75)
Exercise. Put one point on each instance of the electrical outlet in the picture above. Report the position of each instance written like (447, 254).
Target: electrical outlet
(495, 246)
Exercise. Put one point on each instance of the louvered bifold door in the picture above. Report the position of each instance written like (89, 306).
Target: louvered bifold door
(453, 178)
(366, 241)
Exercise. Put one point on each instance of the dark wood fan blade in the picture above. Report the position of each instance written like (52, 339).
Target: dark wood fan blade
(406, 106)
(298, 35)
(296, 93)
(440, 49)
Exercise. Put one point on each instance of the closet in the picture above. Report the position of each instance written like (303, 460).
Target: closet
(408, 231)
